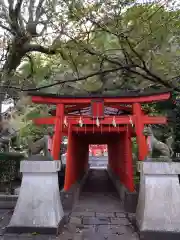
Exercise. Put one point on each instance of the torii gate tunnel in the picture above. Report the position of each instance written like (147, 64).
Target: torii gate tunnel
(100, 120)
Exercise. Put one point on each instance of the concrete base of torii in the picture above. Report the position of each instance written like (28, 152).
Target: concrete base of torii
(39, 207)
(158, 210)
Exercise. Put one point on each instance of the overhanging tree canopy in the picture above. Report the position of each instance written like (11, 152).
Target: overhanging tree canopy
(95, 41)
(79, 46)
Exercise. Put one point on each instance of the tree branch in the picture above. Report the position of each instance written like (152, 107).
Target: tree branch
(152, 77)
(6, 28)
(38, 48)
(103, 56)
(145, 69)
(30, 75)
(59, 82)
(4, 12)
(21, 22)
(136, 53)
(149, 75)
(73, 63)
(31, 66)
(156, 79)
(10, 2)
(14, 14)
(39, 10)
(31, 10)
(18, 8)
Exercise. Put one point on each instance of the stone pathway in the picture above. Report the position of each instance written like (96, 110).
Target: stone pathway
(99, 213)
(97, 216)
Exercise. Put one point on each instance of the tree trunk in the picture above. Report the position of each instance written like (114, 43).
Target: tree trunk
(1, 101)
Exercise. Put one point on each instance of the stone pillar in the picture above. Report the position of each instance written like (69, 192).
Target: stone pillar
(158, 209)
(39, 207)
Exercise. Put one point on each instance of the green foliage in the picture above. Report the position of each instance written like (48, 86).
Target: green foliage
(98, 36)
(136, 180)
(134, 146)
(97, 33)
(30, 132)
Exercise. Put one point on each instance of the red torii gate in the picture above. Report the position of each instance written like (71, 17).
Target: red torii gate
(118, 137)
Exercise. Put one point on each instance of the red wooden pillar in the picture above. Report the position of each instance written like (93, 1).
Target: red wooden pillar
(58, 132)
(139, 127)
(84, 147)
(110, 157)
(128, 161)
(114, 155)
(78, 157)
(122, 157)
(69, 161)
(86, 165)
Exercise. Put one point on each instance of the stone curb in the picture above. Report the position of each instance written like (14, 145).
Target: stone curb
(128, 199)
(8, 201)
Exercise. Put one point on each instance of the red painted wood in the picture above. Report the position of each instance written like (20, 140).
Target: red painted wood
(88, 129)
(77, 159)
(118, 139)
(97, 109)
(129, 182)
(69, 161)
(111, 162)
(84, 157)
(50, 100)
(115, 154)
(86, 120)
(82, 106)
(122, 156)
(154, 120)
(139, 127)
(65, 133)
(58, 132)
(76, 108)
(145, 99)
(125, 108)
(97, 138)
(118, 119)
(107, 120)
(44, 121)
(69, 109)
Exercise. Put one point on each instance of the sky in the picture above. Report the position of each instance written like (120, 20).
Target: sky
(6, 106)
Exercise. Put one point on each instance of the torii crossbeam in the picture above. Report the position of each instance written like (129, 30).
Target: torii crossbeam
(136, 116)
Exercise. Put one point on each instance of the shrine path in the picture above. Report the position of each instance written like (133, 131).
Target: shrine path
(97, 216)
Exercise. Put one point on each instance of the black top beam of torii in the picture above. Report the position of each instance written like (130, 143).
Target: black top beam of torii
(123, 93)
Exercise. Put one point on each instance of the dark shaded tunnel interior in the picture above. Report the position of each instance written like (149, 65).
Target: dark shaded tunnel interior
(119, 156)
(98, 181)
(99, 194)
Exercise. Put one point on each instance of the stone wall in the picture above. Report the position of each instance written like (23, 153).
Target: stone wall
(129, 199)
(69, 198)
